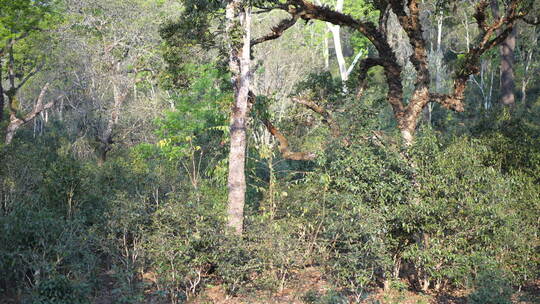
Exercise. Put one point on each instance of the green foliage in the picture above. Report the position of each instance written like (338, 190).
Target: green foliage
(184, 241)
(60, 290)
(19, 17)
(200, 114)
(491, 288)
(352, 201)
(459, 209)
(469, 213)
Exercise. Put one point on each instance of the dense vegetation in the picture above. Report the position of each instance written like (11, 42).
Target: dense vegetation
(115, 164)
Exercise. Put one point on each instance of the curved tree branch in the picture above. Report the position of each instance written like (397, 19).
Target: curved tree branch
(277, 30)
(365, 65)
(282, 140)
(15, 122)
(284, 144)
(328, 118)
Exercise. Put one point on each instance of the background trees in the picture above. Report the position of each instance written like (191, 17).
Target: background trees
(115, 186)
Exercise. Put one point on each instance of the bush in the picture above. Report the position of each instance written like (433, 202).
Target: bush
(183, 244)
(60, 290)
(491, 287)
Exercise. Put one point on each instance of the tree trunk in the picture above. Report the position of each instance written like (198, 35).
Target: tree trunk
(344, 72)
(507, 69)
(2, 98)
(238, 20)
(438, 67)
(106, 139)
(506, 50)
(15, 122)
(338, 48)
(527, 73)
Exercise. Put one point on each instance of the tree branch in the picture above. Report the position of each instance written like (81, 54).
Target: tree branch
(15, 122)
(286, 153)
(328, 118)
(277, 30)
(365, 65)
(309, 11)
(284, 144)
(30, 75)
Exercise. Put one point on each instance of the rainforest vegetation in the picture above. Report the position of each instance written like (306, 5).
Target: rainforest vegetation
(269, 151)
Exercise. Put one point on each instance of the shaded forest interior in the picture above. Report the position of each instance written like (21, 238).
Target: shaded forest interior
(269, 151)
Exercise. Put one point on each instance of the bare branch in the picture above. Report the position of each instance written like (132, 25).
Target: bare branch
(450, 102)
(536, 21)
(30, 75)
(284, 144)
(277, 30)
(326, 115)
(16, 122)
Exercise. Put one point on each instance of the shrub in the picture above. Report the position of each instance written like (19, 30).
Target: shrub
(491, 287)
(60, 290)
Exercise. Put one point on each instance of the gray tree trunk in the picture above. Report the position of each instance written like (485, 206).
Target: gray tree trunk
(238, 20)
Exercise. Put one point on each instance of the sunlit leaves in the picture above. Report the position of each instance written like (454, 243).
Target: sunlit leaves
(21, 17)
(200, 111)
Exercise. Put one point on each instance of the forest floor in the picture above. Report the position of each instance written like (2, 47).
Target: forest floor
(309, 286)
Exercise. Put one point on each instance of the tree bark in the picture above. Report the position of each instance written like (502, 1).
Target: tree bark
(15, 122)
(527, 73)
(286, 153)
(506, 50)
(507, 70)
(106, 139)
(238, 21)
(492, 33)
(2, 98)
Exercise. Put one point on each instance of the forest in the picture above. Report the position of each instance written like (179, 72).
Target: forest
(269, 151)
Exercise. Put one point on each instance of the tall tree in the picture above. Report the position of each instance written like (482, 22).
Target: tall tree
(492, 32)
(506, 50)
(238, 16)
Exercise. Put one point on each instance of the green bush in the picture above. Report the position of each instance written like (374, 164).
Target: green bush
(60, 290)
(491, 287)
(183, 244)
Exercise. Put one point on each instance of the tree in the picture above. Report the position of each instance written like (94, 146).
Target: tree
(506, 50)
(115, 47)
(239, 38)
(492, 32)
(21, 21)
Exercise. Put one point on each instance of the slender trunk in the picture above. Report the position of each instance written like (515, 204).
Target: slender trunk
(106, 139)
(527, 73)
(326, 54)
(344, 72)
(336, 36)
(438, 67)
(526, 77)
(238, 17)
(2, 100)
